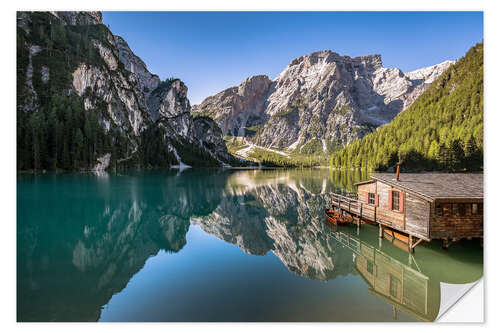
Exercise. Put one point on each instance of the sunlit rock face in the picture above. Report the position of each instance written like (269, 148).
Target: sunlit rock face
(172, 105)
(96, 85)
(323, 100)
(139, 72)
(237, 108)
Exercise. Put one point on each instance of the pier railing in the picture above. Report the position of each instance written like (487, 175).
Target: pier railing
(361, 209)
(355, 206)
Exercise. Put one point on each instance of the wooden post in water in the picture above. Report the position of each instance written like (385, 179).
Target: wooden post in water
(360, 215)
(410, 244)
(380, 230)
(446, 243)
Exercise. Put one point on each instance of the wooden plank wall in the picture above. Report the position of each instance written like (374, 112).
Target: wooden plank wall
(417, 215)
(383, 212)
(453, 225)
(364, 189)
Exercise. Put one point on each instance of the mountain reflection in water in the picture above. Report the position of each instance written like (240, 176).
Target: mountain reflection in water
(81, 238)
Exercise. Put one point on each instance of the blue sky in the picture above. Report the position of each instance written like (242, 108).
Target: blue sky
(212, 51)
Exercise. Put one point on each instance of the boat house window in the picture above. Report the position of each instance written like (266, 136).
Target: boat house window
(461, 209)
(371, 198)
(393, 286)
(439, 210)
(395, 200)
(474, 209)
(369, 267)
(458, 209)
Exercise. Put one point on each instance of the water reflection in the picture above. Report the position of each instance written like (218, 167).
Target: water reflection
(82, 237)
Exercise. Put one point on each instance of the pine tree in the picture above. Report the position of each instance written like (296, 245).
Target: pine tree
(77, 148)
(473, 156)
(445, 157)
(433, 152)
(457, 155)
(35, 127)
(52, 142)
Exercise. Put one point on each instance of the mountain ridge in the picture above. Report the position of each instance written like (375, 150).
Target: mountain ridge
(321, 101)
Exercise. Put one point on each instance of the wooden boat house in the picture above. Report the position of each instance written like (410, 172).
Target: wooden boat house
(418, 207)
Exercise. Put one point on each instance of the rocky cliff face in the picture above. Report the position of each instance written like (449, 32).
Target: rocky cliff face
(132, 104)
(321, 101)
(139, 73)
(237, 108)
(171, 103)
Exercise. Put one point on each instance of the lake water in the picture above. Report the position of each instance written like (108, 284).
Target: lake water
(216, 245)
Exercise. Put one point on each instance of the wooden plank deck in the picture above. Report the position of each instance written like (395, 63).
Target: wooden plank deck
(359, 208)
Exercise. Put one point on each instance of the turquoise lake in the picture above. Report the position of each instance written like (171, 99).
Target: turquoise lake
(216, 245)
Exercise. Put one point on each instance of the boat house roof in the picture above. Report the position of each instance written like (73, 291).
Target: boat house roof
(434, 186)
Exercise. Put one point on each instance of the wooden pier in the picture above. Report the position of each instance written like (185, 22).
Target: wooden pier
(363, 212)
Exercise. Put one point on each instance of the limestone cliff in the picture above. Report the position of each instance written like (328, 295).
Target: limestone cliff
(237, 108)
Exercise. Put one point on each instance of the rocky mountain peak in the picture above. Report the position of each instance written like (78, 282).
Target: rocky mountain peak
(146, 81)
(315, 57)
(319, 102)
(254, 86)
(371, 62)
(429, 74)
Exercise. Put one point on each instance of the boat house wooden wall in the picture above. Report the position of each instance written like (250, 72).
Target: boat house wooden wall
(412, 214)
(428, 206)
